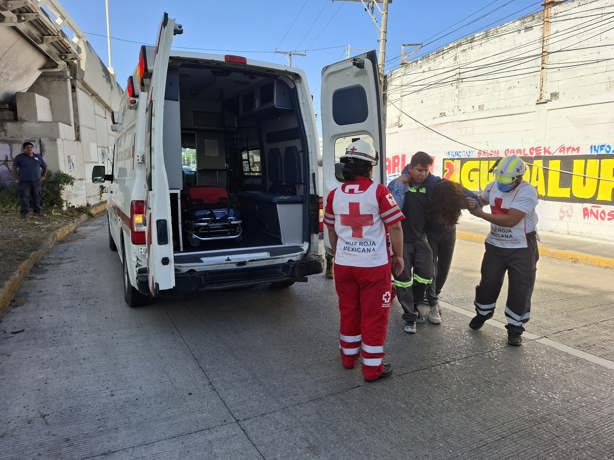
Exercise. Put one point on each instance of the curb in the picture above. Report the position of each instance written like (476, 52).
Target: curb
(14, 283)
(569, 256)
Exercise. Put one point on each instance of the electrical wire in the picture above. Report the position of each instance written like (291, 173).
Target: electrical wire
(521, 58)
(213, 49)
(293, 21)
(575, 30)
(482, 28)
(562, 171)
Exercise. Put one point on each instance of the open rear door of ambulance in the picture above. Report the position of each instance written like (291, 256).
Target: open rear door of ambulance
(161, 269)
(351, 109)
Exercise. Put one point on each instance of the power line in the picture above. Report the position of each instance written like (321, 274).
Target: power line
(293, 21)
(482, 28)
(313, 24)
(215, 49)
(520, 57)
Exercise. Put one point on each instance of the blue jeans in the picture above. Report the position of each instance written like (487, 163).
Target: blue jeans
(30, 195)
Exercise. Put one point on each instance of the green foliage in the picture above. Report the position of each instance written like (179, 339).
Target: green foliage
(52, 190)
(8, 200)
(53, 187)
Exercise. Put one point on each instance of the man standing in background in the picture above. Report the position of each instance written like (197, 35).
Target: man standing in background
(30, 171)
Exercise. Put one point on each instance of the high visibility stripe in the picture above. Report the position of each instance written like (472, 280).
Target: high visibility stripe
(330, 216)
(510, 314)
(372, 349)
(350, 351)
(403, 284)
(329, 222)
(393, 218)
(483, 312)
(512, 164)
(350, 338)
(421, 280)
(417, 189)
(390, 211)
(490, 306)
(372, 361)
(513, 322)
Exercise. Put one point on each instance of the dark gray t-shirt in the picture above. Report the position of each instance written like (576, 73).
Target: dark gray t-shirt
(29, 168)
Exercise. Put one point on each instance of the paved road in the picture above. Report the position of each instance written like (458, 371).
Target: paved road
(255, 373)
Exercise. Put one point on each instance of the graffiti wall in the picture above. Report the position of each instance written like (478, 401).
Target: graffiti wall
(566, 179)
(575, 183)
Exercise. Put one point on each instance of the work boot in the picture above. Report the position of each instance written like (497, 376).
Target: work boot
(514, 335)
(478, 321)
(409, 327)
(387, 373)
(434, 317)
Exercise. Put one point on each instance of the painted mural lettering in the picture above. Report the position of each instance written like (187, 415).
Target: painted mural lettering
(602, 148)
(584, 186)
(395, 163)
(597, 213)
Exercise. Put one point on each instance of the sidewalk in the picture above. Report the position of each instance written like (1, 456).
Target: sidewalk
(565, 247)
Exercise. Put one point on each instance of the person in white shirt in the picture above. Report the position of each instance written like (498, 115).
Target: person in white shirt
(511, 247)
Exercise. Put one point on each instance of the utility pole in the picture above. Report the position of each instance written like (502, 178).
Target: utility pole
(382, 27)
(110, 67)
(548, 4)
(292, 53)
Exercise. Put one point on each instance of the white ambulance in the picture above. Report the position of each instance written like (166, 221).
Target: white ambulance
(214, 177)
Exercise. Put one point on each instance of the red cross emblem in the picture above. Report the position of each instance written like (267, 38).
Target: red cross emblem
(356, 220)
(498, 207)
(353, 149)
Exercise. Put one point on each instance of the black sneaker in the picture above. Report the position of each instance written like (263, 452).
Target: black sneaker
(478, 321)
(514, 340)
(514, 335)
(387, 373)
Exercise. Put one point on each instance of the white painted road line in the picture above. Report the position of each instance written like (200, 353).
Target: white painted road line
(543, 340)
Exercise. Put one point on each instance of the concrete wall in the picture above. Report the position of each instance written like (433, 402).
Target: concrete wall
(68, 114)
(483, 91)
(20, 64)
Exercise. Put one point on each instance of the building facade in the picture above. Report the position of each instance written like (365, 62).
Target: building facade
(539, 87)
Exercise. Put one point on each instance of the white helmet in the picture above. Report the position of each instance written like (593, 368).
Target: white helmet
(509, 169)
(361, 150)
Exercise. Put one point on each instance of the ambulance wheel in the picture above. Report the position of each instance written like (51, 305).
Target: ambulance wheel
(282, 284)
(133, 297)
(112, 245)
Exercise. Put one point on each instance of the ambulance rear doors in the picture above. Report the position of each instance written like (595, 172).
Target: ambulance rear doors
(351, 109)
(160, 263)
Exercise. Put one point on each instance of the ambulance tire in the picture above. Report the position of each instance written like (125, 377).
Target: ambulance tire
(112, 245)
(282, 284)
(132, 297)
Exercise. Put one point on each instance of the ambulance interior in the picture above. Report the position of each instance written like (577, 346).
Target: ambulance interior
(236, 157)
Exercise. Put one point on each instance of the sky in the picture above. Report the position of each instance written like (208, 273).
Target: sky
(256, 28)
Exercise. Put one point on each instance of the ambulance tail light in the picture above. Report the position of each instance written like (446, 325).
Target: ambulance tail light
(143, 71)
(321, 219)
(130, 87)
(231, 59)
(137, 222)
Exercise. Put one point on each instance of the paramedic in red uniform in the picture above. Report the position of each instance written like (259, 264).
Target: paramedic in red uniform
(358, 215)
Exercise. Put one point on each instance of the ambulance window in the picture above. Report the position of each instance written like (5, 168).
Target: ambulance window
(251, 162)
(350, 105)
